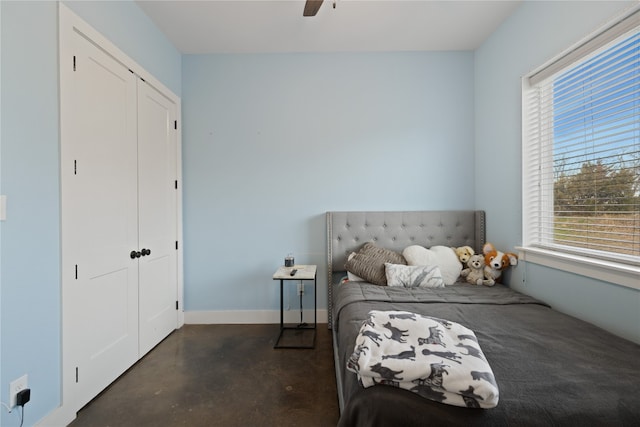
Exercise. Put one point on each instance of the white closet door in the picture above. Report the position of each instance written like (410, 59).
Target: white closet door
(100, 223)
(158, 281)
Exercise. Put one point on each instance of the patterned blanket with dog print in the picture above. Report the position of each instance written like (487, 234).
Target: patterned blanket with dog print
(435, 358)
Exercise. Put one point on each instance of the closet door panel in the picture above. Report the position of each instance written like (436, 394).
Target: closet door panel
(99, 222)
(158, 283)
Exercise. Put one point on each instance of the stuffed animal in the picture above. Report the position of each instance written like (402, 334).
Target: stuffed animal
(474, 273)
(496, 262)
(464, 253)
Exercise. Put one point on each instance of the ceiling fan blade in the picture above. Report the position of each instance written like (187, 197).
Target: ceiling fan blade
(311, 7)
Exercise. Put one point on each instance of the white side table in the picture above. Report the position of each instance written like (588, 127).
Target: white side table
(293, 333)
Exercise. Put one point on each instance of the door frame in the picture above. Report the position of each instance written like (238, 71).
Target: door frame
(69, 25)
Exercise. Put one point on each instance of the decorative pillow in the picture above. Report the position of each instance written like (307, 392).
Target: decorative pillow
(442, 256)
(368, 263)
(413, 276)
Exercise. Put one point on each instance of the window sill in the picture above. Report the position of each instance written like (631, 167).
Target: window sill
(618, 273)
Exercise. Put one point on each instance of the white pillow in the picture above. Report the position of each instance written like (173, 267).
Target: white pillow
(352, 277)
(418, 255)
(413, 276)
(442, 256)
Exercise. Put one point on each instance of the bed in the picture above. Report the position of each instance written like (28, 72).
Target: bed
(550, 368)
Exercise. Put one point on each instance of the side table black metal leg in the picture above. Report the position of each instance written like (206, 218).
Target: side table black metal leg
(281, 305)
(315, 309)
(276, 345)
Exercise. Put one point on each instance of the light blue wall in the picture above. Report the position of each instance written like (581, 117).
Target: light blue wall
(538, 31)
(271, 142)
(30, 237)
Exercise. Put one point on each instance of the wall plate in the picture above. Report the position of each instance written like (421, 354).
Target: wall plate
(3, 208)
(15, 387)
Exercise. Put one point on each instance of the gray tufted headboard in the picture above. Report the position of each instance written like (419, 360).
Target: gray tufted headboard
(347, 231)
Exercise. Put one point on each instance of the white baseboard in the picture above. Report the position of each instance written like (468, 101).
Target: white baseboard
(251, 317)
(59, 417)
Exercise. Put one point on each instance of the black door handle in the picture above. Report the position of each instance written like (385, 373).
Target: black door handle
(146, 252)
(134, 254)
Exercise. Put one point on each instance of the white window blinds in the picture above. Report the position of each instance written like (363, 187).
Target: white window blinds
(581, 148)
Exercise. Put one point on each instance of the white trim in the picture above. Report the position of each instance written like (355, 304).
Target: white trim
(179, 236)
(61, 416)
(230, 317)
(608, 271)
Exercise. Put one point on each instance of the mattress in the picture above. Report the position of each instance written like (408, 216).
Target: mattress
(550, 368)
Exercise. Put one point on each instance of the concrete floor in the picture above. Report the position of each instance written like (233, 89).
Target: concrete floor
(222, 375)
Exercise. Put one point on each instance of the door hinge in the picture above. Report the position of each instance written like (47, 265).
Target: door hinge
(176, 245)
(75, 167)
(175, 124)
(74, 62)
(176, 305)
(76, 271)
(76, 374)
(176, 184)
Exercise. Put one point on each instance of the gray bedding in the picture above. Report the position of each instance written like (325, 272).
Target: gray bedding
(551, 369)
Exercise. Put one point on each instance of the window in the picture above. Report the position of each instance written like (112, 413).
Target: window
(581, 150)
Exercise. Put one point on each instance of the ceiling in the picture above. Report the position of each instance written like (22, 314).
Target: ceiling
(270, 26)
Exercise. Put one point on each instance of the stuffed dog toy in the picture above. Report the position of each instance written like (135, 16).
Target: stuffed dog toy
(496, 262)
(464, 253)
(474, 273)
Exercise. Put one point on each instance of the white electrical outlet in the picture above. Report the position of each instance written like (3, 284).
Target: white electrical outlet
(3, 208)
(15, 387)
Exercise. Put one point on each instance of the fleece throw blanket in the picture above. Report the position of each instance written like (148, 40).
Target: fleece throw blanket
(435, 358)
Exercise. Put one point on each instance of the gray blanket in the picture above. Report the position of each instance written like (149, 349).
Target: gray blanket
(551, 369)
